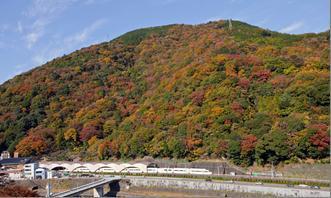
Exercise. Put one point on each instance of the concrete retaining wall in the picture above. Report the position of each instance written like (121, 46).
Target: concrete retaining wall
(203, 185)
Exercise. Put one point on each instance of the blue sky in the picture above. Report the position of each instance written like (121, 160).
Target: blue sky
(35, 31)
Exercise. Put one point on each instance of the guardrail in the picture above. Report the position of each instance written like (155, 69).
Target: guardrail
(85, 187)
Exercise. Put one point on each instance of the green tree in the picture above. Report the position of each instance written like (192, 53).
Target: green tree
(272, 148)
(234, 152)
(177, 147)
(260, 124)
(109, 126)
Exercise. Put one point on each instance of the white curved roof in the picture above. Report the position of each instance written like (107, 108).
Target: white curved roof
(92, 166)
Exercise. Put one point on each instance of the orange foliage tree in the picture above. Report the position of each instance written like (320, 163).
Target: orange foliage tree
(32, 145)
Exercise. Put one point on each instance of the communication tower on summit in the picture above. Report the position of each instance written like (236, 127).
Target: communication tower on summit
(230, 24)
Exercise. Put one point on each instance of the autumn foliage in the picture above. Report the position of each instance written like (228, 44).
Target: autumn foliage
(321, 138)
(89, 130)
(177, 91)
(32, 145)
(17, 191)
(248, 143)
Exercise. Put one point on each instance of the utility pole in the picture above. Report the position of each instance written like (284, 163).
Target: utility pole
(272, 169)
(48, 189)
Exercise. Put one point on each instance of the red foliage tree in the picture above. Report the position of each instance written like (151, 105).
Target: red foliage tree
(262, 75)
(248, 143)
(321, 139)
(244, 83)
(237, 108)
(89, 130)
(222, 148)
(198, 97)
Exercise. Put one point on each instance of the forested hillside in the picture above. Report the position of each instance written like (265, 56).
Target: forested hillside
(178, 91)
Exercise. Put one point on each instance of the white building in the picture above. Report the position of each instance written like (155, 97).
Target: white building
(15, 175)
(30, 170)
(5, 155)
(50, 174)
(41, 173)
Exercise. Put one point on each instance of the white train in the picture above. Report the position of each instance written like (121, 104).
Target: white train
(184, 171)
(132, 170)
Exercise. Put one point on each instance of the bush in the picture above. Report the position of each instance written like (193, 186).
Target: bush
(17, 191)
(265, 33)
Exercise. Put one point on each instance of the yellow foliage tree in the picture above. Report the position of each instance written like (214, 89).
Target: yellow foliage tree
(92, 141)
(230, 69)
(70, 134)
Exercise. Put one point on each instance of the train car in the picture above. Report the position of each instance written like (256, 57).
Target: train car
(199, 171)
(132, 170)
(181, 170)
(165, 170)
(152, 170)
(184, 171)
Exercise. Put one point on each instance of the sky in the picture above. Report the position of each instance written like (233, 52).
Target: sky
(33, 32)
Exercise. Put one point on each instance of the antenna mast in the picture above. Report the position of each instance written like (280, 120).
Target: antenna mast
(230, 24)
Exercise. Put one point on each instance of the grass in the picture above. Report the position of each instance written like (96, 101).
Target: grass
(307, 171)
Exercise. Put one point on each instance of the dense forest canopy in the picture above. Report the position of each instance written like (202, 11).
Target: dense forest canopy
(178, 91)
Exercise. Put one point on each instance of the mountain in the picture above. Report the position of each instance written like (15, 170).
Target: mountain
(178, 91)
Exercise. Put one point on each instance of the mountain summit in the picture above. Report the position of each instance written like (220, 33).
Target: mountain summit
(178, 91)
